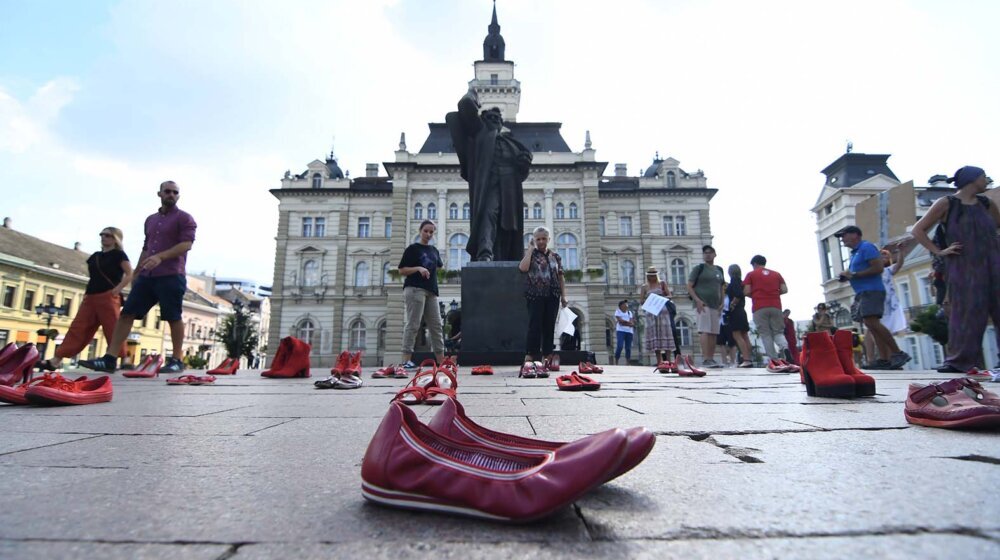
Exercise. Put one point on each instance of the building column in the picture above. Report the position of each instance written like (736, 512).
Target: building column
(442, 233)
(549, 209)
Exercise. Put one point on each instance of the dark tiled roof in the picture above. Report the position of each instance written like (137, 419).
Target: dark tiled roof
(42, 253)
(537, 137)
(371, 184)
(853, 168)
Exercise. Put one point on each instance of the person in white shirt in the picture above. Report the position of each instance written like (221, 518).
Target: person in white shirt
(625, 329)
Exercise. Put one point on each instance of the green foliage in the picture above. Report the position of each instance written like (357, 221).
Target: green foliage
(195, 362)
(932, 323)
(573, 275)
(237, 334)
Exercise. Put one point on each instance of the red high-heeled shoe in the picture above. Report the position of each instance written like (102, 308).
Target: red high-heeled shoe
(691, 371)
(285, 346)
(227, 367)
(150, 367)
(824, 375)
(18, 366)
(296, 362)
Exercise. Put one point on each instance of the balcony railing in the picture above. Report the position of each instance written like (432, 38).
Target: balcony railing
(366, 291)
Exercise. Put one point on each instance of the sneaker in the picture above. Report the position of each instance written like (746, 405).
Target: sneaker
(710, 363)
(879, 365)
(409, 365)
(898, 360)
(173, 365)
(106, 363)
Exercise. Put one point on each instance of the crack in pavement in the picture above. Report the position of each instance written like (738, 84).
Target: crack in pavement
(632, 409)
(703, 434)
(707, 533)
(586, 524)
(744, 454)
(86, 467)
(976, 458)
(254, 432)
(51, 444)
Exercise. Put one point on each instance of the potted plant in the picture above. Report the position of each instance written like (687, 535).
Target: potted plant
(932, 323)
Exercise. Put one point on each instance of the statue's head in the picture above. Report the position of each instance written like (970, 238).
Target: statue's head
(493, 118)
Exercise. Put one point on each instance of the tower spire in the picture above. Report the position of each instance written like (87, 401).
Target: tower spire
(493, 45)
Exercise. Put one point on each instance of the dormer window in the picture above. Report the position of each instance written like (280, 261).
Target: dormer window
(317, 181)
(494, 79)
(671, 180)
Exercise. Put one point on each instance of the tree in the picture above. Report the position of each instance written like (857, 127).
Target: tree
(932, 323)
(237, 334)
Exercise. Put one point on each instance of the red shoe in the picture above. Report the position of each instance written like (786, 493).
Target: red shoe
(18, 365)
(7, 352)
(450, 365)
(384, 372)
(445, 387)
(957, 403)
(822, 369)
(789, 367)
(150, 367)
(64, 391)
(415, 391)
(665, 366)
(227, 367)
(691, 371)
(296, 360)
(576, 382)
(864, 385)
(408, 465)
(15, 394)
(342, 364)
(482, 370)
(427, 365)
(587, 367)
(552, 364)
(452, 421)
(192, 380)
(354, 366)
(285, 349)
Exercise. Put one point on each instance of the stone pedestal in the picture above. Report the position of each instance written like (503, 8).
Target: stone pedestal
(494, 314)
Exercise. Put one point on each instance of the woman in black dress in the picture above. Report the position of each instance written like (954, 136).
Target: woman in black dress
(738, 324)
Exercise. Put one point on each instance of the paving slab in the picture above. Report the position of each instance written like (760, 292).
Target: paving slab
(745, 465)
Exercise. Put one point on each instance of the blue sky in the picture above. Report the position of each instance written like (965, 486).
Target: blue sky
(100, 101)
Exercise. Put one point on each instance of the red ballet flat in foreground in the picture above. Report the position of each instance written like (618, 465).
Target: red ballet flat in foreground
(408, 465)
(64, 391)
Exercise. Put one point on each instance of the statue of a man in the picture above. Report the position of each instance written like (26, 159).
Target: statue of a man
(495, 166)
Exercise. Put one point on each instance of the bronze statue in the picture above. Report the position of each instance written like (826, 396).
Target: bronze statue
(495, 165)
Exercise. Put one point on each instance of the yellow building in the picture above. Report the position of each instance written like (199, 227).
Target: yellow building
(36, 273)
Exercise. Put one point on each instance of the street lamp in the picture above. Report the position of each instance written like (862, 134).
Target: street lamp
(49, 311)
(453, 305)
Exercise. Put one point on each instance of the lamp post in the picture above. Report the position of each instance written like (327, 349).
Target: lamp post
(49, 311)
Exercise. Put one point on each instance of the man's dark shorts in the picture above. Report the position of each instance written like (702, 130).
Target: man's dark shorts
(147, 291)
(870, 304)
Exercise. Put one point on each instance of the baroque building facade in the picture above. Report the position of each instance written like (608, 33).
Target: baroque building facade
(339, 239)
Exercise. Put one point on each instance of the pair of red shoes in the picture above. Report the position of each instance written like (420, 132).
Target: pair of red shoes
(54, 389)
(576, 382)
(16, 364)
(291, 360)
(227, 367)
(453, 465)
(150, 367)
(828, 368)
(552, 363)
(781, 366)
(347, 364)
(482, 370)
(587, 367)
(685, 369)
(390, 371)
(429, 386)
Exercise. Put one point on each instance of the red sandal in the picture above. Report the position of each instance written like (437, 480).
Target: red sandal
(482, 370)
(587, 367)
(691, 371)
(415, 391)
(445, 387)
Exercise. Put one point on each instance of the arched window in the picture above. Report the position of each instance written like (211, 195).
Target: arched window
(678, 272)
(317, 181)
(525, 210)
(602, 227)
(560, 211)
(453, 211)
(628, 273)
(567, 249)
(457, 255)
(304, 331)
(685, 328)
(432, 211)
(671, 180)
(465, 211)
(380, 342)
(385, 274)
(574, 211)
(310, 273)
(361, 277)
(418, 211)
(358, 335)
(536, 211)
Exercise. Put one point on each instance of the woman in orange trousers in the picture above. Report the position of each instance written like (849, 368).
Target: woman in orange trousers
(110, 271)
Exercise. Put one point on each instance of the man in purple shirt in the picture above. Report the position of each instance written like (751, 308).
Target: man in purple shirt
(160, 279)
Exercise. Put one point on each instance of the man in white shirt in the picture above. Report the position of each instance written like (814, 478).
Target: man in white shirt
(625, 329)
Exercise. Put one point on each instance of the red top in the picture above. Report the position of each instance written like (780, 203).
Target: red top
(765, 288)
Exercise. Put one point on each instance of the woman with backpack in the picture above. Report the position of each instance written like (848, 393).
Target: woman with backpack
(970, 248)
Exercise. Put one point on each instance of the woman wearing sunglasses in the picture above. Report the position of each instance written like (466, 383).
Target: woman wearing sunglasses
(110, 271)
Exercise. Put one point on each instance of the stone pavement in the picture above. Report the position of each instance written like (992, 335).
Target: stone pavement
(745, 465)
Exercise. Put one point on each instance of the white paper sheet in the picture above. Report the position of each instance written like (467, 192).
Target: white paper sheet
(654, 304)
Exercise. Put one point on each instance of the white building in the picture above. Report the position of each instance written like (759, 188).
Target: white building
(339, 239)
